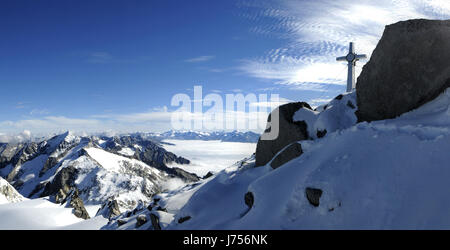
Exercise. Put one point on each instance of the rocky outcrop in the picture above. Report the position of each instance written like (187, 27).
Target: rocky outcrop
(292, 151)
(109, 209)
(62, 184)
(184, 219)
(146, 150)
(150, 153)
(64, 191)
(249, 199)
(155, 222)
(289, 131)
(7, 152)
(121, 222)
(313, 195)
(409, 67)
(24, 153)
(75, 202)
(207, 175)
(141, 220)
(8, 193)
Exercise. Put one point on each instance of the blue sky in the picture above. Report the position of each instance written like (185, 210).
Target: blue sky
(114, 65)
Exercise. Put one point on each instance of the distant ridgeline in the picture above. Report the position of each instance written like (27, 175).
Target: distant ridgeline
(233, 136)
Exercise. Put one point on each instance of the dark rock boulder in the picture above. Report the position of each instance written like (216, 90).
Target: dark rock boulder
(163, 209)
(313, 195)
(209, 174)
(184, 219)
(289, 131)
(409, 67)
(321, 133)
(155, 222)
(121, 222)
(249, 199)
(292, 151)
(141, 220)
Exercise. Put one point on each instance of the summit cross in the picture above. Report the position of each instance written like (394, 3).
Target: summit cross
(351, 58)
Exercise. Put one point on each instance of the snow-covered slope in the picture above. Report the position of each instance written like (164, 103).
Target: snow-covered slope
(390, 174)
(8, 193)
(36, 214)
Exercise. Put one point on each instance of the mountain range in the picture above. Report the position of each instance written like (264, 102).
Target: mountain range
(224, 136)
(127, 169)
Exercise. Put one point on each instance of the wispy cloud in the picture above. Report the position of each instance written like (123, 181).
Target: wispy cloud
(20, 105)
(318, 31)
(199, 59)
(216, 70)
(39, 112)
(102, 57)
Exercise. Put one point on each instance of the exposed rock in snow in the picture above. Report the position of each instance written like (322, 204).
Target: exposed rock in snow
(141, 220)
(313, 195)
(289, 131)
(292, 151)
(155, 221)
(74, 201)
(8, 193)
(62, 184)
(299, 122)
(148, 152)
(183, 219)
(408, 68)
(249, 199)
(207, 175)
(161, 210)
(109, 209)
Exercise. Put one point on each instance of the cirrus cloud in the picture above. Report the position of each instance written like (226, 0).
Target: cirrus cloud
(318, 31)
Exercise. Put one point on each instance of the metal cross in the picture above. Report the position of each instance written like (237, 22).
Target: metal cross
(351, 58)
